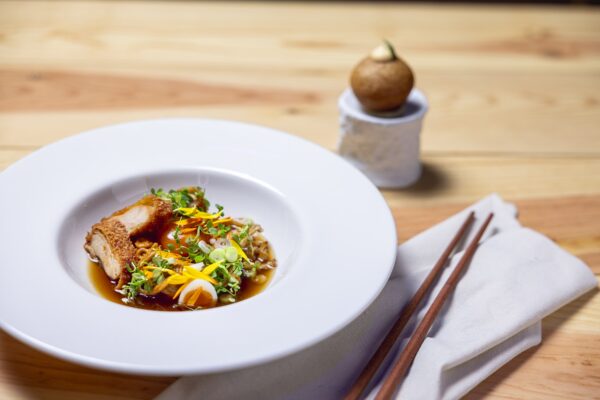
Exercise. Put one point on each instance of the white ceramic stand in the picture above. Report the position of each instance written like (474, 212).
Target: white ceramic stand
(385, 147)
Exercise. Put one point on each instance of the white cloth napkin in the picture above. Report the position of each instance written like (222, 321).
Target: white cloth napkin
(516, 278)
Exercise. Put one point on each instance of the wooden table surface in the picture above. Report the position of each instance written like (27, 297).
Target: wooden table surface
(515, 109)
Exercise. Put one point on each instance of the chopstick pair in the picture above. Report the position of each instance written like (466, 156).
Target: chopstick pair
(393, 380)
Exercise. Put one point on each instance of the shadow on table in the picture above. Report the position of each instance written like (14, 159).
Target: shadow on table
(549, 327)
(433, 180)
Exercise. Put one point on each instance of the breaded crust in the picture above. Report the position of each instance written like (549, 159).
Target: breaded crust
(163, 212)
(122, 250)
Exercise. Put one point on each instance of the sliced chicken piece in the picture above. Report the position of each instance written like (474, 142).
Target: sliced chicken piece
(109, 243)
(144, 216)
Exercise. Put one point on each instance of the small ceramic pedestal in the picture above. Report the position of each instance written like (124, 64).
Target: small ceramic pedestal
(385, 147)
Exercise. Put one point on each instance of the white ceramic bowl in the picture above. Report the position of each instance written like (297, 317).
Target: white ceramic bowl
(332, 232)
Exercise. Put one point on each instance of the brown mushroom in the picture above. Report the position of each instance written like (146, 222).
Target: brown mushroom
(382, 81)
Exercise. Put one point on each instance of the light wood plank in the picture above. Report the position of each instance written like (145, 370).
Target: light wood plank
(523, 108)
(460, 179)
(469, 178)
(27, 373)
(472, 75)
(213, 32)
(572, 222)
(567, 375)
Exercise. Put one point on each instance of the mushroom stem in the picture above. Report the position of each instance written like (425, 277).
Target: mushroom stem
(384, 52)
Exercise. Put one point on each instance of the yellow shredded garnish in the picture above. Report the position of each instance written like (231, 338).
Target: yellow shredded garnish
(151, 268)
(177, 279)
(195, 213)
(197, 219)
(159, 288)
(194, 273)
(189, 221)
(239, 249)
(178, 292)
(174, 279)
(211, 268)
(167, 254)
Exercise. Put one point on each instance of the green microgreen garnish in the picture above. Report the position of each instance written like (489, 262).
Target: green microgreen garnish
(183, 198)
(136, 284)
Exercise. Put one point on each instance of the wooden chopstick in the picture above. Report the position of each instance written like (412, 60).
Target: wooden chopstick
(400, 367)
(405, 315)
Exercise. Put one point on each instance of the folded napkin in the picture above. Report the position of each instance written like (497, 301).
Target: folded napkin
(515, 279)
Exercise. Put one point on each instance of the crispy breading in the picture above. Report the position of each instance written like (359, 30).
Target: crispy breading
(109, 242)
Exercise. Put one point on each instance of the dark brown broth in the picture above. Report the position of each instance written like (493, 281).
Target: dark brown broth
(106, 288)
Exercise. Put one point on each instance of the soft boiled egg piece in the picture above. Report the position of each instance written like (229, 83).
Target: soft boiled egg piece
(207, 296)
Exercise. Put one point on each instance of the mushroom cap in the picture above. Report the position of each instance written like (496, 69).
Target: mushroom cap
(382, 85)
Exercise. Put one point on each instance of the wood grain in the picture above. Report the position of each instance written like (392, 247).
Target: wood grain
(468, 178)
(514, 96)
(509, 105)
(30, 90)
